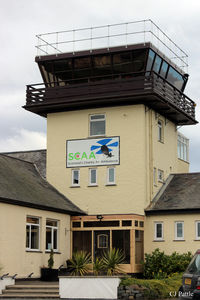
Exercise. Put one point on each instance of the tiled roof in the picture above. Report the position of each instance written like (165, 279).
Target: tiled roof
(21, 184)
(180, 193)
(38, 157)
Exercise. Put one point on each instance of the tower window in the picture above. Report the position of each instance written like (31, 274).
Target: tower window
(160, 131)
(75, 177)
(110, 175)
(183, 147)
(97, 125)
(92, 176)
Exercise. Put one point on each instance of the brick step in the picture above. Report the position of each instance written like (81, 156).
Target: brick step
(31, 291)
(31, 286)
(28, 295)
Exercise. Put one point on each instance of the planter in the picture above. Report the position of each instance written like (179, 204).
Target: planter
(90, 287)
(48, 274)
(6, 281)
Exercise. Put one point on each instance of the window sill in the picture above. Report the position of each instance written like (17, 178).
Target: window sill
(162, 142)
(92, 185)
(33, 251)
(75, 186)
(159, 240)
(197, 240)
(110, 184)
(54, 252)
(178, 240)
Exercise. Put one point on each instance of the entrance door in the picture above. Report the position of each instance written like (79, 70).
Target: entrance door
(101, 242)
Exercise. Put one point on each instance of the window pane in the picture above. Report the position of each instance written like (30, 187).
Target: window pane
(121, 241)
(97, 117)
(34, 237)
(48, 239)
(82, 241)
(97, 128)
(179, 230)
(27, 236)
(75, 177)
(175, 78)
(93, 176)
(111, 175)
(102, 241)
(198, 229)
(150, 60)
(55, 239)
(51, 223)
(157, 63)
(159, 230)
(32, 220)
(163, 70)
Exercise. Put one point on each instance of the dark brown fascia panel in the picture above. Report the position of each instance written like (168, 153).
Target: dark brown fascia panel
(94, 52)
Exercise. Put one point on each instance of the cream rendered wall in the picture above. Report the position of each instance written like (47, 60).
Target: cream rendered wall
(13, 255)
(169, 245)
(182, 166)
(129, 194)
(140, 152)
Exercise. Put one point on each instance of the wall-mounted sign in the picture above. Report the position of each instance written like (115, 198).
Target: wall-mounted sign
(93, 152)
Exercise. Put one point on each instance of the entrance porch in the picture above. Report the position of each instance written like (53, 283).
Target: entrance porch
(95, 234)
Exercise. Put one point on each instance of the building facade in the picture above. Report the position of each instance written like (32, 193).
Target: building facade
(112, 140)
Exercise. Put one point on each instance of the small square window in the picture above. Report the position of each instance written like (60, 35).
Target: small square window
(75, 177)
(110, 176)
(160, 131)
(160, 175)
(102, 241)
(97, 125)
(92, 176)
(158, 233)
(179, 230)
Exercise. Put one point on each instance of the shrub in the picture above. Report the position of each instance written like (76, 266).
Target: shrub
(79, 263)
(51, 260)
(158, 265)
(111, 261)
(98, 266)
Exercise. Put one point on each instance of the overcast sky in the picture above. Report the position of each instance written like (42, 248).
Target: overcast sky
(21, 20)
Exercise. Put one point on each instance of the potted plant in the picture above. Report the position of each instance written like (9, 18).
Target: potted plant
(104, 283)
(49, 274)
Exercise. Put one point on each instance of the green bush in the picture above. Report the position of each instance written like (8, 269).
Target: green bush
(79, 263)
(158, 265)
(154, 288)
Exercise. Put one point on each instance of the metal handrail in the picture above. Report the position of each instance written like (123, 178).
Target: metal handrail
(148, 32)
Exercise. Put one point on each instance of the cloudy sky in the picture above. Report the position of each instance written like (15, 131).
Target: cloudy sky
(21, 20)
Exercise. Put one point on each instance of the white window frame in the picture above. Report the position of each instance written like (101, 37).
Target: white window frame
(107, 177)
(160, 175)
(196, 230)
(53, 228)
(72, 183)
(156, 238)
(29, 248)
(97, 120)
(90, 177)
(98, 241)
(160, 131)
(175, 230)
(183, 147)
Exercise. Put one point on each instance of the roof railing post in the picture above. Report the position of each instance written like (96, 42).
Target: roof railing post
(108, 36)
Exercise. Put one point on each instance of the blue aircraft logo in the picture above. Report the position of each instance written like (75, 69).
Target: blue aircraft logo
(105, 147)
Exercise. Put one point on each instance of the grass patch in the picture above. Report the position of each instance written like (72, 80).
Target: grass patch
(156, 288)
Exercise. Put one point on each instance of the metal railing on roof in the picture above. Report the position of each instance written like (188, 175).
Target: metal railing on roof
(108, 36)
